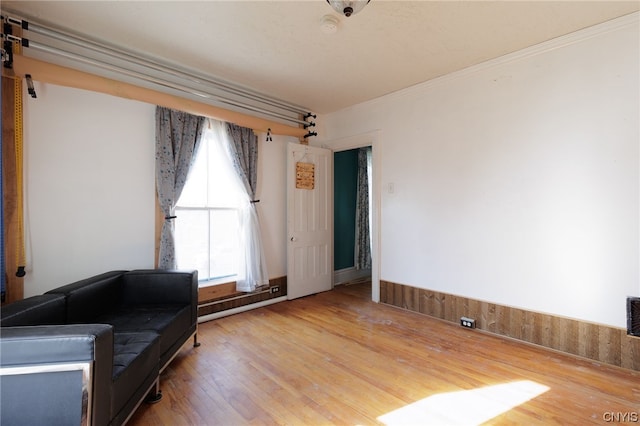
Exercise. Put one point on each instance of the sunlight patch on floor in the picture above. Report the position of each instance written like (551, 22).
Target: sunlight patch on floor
(470, 407)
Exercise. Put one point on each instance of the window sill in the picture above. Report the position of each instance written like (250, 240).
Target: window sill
(217, 281)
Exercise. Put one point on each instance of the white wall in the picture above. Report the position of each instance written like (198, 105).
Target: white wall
(516, 181)
(89, 185)
(272, 208)
(90, 164)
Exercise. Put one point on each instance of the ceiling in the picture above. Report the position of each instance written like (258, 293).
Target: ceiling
(278, 48)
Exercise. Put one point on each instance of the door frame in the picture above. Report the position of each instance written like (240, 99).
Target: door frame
(373, 140)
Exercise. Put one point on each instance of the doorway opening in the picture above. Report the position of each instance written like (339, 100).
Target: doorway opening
(353, 208)
(369, 139)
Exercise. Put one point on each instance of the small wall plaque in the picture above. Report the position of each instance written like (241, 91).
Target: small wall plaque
(305, 175)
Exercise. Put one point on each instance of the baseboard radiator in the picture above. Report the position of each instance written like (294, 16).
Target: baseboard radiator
(277, 288)
(633, 316)
(598, 342)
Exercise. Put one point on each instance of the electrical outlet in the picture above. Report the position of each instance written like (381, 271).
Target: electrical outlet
(467, 322)
(275, 289)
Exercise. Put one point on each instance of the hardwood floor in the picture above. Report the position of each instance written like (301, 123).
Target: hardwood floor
(338, 358)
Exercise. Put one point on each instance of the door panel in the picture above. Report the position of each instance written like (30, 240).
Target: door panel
(309, 223)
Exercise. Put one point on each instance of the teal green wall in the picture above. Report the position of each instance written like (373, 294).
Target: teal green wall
(345, 175)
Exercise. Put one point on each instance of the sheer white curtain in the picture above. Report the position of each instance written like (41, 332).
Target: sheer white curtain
(240, 146)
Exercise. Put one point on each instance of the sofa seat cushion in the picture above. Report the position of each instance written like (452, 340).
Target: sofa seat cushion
(170, 321)
(135, 365)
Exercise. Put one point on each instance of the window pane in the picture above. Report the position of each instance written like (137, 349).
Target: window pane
(212, 181)
(194, 193)
(224, 243)
(223, 189)
(192, 241)
(207, 228)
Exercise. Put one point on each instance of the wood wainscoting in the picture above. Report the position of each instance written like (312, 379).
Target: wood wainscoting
(222, 297)
(601, 343)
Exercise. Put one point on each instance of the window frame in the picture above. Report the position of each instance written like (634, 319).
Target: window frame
(206, 150)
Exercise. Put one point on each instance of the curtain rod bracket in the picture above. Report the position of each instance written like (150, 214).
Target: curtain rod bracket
(7, 46)
(6, 59)
(20, 22)
(310, 134)
(24, 42)
(309, 123)
(20, 272)
(30, 88)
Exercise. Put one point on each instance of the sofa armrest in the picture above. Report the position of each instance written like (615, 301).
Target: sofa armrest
(161, 287)
(43, 369)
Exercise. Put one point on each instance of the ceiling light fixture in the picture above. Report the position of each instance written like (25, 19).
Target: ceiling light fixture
(346, 7)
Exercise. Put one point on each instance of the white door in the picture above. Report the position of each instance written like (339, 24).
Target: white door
(309, 220)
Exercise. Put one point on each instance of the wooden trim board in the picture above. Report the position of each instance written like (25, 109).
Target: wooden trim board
(63, 76)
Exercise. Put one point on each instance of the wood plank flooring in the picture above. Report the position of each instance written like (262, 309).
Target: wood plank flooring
(338, 358)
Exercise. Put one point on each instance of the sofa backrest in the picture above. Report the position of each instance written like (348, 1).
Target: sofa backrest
(44, 309)
(91, 297)
(156, 286)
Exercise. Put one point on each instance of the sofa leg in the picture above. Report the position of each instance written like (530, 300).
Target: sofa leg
(155, 395)
(195, 341)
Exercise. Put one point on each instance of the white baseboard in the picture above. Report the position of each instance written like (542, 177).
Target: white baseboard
(239, 309)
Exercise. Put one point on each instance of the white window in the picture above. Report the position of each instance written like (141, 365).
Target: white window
(206, 227)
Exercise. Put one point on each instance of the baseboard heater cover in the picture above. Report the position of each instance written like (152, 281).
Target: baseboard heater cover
(633, 316)
(240, 309)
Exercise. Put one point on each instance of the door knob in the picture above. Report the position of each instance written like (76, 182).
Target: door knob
(293, 239)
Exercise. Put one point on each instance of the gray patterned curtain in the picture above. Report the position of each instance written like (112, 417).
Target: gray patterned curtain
(363, 241)
(178, 136)
(242, 145)
(244, 155)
